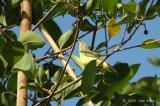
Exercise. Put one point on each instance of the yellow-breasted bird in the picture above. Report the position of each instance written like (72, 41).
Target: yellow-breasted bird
(86, 55)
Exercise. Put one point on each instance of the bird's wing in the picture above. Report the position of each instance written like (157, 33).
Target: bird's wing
(90, 54)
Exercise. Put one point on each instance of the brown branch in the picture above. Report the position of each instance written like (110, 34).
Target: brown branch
(26, 10)
(68, 85)
(52, 55)
(43, 18)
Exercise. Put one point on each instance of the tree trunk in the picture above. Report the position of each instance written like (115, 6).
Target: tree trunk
(26, 12)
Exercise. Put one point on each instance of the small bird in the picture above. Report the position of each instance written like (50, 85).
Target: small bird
(86, 55)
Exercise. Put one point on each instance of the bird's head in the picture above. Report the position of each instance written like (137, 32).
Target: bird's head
(83, 46)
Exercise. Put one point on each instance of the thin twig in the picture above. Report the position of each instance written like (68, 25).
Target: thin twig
(123, 43)
(43, 18)
(52, 55)
(68, 85)
(94, 37)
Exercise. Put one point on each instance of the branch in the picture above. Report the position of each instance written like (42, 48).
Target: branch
(121, 44)
(43, 18)
(52, 55)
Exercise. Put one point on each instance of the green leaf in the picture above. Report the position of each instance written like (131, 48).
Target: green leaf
(53, 29)
(155, 61)
(77, 61)
(2, 44)
(37, 10)
(142, 6)
(149, 86)
(25, 63)
(88, 77)
(130, 7)
(67, 38)
(108, 5)
(133, 70)
(4, 99)
(12, 82)
(87, 98)
(85, 25)
(90, 4)
(33, 86)
(129, 18)
(31, 73)
(13, 52)
(31, 39)
(101, 45)
(114, 82)
(151, 44)
(3, 20)
(70, 91)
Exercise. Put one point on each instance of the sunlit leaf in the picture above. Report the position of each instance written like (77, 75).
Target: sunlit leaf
(32, 39)
(151, 44)
(77, 61)
(113, 28)
(3, 20)
(67, 38)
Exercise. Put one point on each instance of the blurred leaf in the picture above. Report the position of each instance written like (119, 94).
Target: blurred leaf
(149, 86)
(87, 98)
(130, 7)
(67, 38)
(37, 10)
(77, 61)
(142, 6)
(32, 39)
(12, 82)
(113, 28)
(151, 44)
(4, 99)
(3, 20)
(155, 61)
(13, 52)
(69, 92)
(90, 4)
(88, 77)
(133, 70)
(101, 45)
(108, 5)
(53, 29)
(158, 7)
(85, 25)
(33, 86)
(2, 44)
(25, 63)
(129, 18)
(65, 78)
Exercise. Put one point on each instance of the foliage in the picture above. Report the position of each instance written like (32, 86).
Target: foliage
(103, 89)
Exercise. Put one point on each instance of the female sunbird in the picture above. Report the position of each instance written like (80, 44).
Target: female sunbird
(86, 55)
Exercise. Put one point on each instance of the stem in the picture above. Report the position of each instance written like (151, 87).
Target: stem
(26, 10)
(94, 37)
(43, 18)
